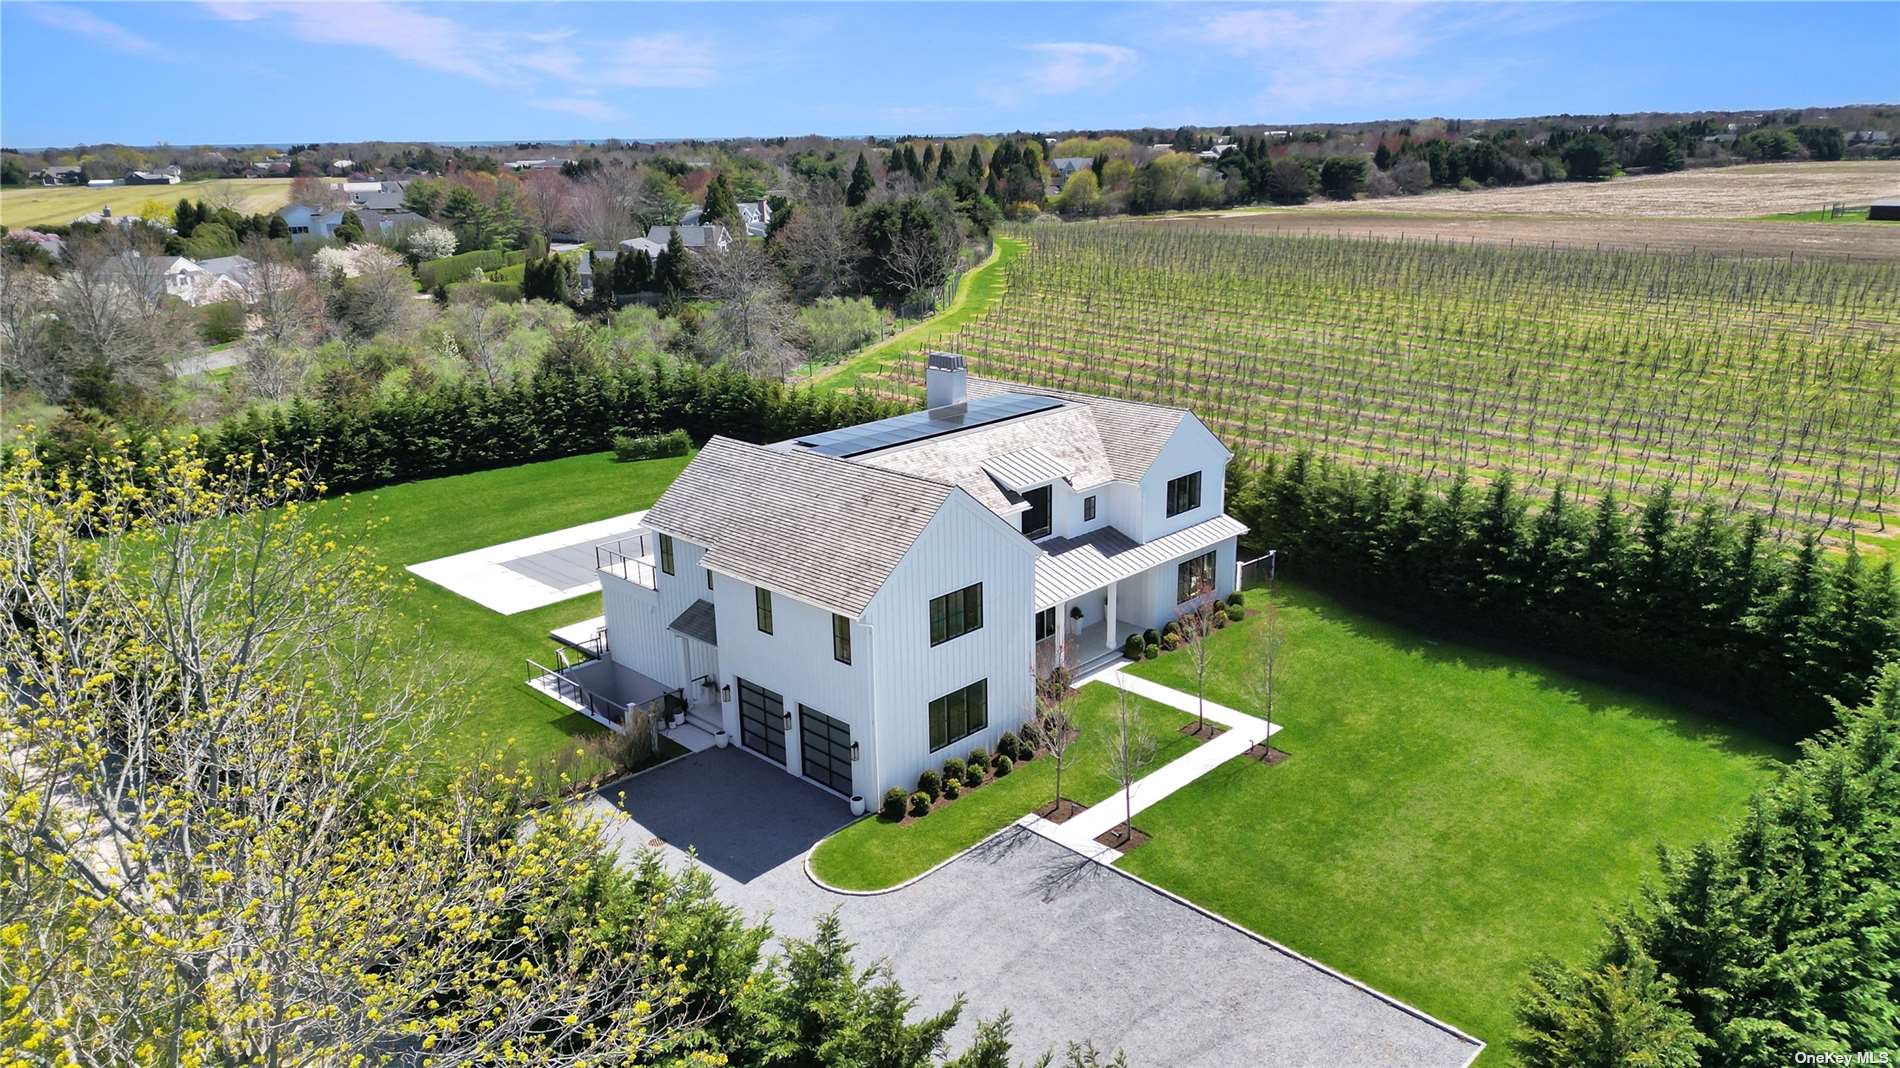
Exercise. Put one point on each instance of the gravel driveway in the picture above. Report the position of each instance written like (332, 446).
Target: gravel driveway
(1072, 949)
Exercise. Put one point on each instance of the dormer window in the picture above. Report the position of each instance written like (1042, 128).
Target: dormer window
(1036, 516)
(1184, 494)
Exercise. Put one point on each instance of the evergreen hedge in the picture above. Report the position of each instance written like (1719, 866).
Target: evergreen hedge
(1700, 600)
(451, 269)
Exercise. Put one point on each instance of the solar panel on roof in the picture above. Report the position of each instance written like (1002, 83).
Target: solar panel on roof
(919, 426)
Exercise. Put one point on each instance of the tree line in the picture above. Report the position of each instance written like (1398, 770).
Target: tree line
(1701, 600)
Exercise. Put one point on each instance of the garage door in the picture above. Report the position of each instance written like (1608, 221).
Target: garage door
(762, 721)
(825, 746)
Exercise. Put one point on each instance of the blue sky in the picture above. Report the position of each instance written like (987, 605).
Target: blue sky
(225, 72)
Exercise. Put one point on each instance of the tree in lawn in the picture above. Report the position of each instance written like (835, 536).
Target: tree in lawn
(1054, 696)
(1194, 624)
(861, 184)
(721, 206)
(1269, 647)
(1131, 750)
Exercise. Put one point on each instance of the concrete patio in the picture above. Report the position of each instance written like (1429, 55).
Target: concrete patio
(1073, 949)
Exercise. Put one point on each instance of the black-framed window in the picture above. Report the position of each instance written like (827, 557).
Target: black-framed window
(1036, 517)
(762, 604)
(1184, 493)
(956, 614)
(666, 553)
(1045, 624)
(1088, 509)
(762, 721)
(959, 714)
(840, 639)
(1192, 575)
(824, 749)
(708, 576)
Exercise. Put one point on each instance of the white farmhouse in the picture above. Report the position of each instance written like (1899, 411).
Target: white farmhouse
(859, 605)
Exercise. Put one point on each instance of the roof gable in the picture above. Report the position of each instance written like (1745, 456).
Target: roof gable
(1131, 434)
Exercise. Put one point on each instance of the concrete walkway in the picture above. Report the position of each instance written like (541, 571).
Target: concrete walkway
(532, 572)
(1243, 733)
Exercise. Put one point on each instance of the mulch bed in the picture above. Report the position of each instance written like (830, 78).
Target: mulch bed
(1266, 754)
(1207, 733)
(1119, 839)
(1062, 813)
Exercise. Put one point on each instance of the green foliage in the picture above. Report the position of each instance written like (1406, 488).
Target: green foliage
(1132, 647)
(209, 241)
(484, 291)
(930, 784)
(980, 758)
(221, 322)
(721, 206)
(1822, 142)
(1342, 177)
(894, 803)
(628, 448)
(1659, 151)
(1150, 651)
(550, 278)
(920, 804)
(908, 244)
(1589, 158)
(1773, 942)
(1711, 604)
(837, 325)
(1769, 144)
(1001, 765)
(953, 770)
(1287, 183)
(1009, 745)
(451, 269)
(349, 231)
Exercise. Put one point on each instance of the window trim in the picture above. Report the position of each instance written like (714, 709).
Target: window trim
(1176, 498)
(840, 638)
(970, 607)
(1051, 613)
(1184, 589)
(939, 708)
(1088, 508)
(762, 608)
(666, 553)
(1048, 512)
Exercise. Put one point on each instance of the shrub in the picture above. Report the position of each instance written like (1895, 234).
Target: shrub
(651, 446)
(1002, 764)
(451, 269)
(1170, 641)
(1151, 636)
(920, 804)
(951, 788)
(1149, 652)
(973, 775)
(1172, 628)
(1133, 646)
(1220, 621)
(223, 321)
(837, 325)
(1032, 738)
(979, 758)
(1236, 613)
(498, 292)
(1236, 599)
(953, 770)
(893, 804)
(1009, 745)
(930, 784)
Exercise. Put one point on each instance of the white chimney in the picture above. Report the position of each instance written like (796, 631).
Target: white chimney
(946, 380)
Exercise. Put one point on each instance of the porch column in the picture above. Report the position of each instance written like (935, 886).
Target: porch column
(1108, 619)
(686, 668)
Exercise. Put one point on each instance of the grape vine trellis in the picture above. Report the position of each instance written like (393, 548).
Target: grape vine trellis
(1764, 385)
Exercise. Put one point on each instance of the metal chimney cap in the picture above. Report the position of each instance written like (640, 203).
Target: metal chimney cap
(944, 361)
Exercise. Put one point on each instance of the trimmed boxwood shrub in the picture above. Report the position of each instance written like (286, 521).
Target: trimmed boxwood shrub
(1002, 764)
(651, 446)
(979, 757)
(1151, 636)
(1032, 739)
(894, 804)
(930, 784)
(952, 771)
(452, 269)
(1236, 613)
(1236, 599)
(1132, 647)
(499, 292)
(920, 804)
(1009, 745)
(1149, 652)
(951, 788)
(973, 776)
(1170, 641)
(1172, 628)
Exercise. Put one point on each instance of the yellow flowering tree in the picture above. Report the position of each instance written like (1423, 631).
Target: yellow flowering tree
(222, 842)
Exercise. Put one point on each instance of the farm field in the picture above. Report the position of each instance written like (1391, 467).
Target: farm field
(55, 206)
(1447, 813)
(1752, 385)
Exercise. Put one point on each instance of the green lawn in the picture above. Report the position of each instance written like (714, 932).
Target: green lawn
(1824, 215)
(1447, 813)
(974, 293)
(482, 651)
(872, 854)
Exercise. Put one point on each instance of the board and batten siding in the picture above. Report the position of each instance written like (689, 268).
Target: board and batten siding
(965, 543)
(1192, 447)
(638, 618)
(794, 661)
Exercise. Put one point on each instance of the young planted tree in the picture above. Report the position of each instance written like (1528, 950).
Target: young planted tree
(1054, 696)
(1269, 645)
(1131, 750)
(1195, 625)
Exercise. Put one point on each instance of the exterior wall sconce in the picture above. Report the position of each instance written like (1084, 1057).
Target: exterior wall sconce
(785, 720)
(725, 693)
(856, 751)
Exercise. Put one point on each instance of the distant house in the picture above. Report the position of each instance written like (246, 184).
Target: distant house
(553, 163)
(51, 244)
(306, 221)
(641, 244)
(342, 164)
(697, 238)
(239, 270)
(375, 196)
(177, 276)
(1870, 137)
(756, 213)
(151, 178)
(61, 176)
(101, 183)
(1067, 165)
(104, 216)
(1887, 210)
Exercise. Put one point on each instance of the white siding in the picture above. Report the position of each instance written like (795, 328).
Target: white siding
(638, 618)
(964, 544)
(1192, 448)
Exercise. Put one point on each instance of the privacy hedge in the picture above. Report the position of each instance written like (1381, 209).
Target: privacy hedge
(1697, 599)
(452, 269)
(462, 426)
(504, 291)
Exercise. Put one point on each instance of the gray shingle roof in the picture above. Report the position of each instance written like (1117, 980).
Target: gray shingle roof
(822, 530)
(1071, 567)
(1066, 437)
(1131, 433)
(698, 622)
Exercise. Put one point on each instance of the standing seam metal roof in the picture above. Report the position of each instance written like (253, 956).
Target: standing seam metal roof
(1074, 566)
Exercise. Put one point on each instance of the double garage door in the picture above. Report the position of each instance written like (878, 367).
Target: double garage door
(824, 748)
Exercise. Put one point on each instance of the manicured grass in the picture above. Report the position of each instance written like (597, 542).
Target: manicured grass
(35, 205)
(1847, 215)
(872, 854)
(482, 652)
(978, 289)
(1447, 813)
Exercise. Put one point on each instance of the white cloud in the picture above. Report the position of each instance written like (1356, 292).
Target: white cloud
(585, 106)
(661, 61)
(1070, 65)
(87, 24)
